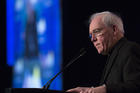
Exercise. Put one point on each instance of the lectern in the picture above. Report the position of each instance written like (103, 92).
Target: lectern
(31, 90)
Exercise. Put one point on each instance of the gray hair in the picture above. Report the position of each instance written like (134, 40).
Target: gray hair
(109, 19)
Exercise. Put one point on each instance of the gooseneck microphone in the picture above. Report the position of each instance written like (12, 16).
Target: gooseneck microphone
(82, 52)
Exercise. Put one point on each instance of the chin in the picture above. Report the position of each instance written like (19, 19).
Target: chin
(102, 52)
(99, 52)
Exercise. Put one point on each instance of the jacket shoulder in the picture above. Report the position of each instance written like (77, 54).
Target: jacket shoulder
(130, 48)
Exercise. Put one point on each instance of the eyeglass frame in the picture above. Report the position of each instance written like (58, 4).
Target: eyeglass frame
(97, 32)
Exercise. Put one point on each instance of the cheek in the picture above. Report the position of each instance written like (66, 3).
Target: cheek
(103, 44)
(101, 41)
(99, 44)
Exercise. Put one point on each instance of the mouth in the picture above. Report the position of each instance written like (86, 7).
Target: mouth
(97, 45)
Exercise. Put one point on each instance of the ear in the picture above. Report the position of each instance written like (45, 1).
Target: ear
(115, 29)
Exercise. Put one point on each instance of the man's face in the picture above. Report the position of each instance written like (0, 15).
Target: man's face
(101, 36)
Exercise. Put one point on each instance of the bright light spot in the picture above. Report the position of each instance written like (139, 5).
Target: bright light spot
(33, 2)
(19, 66)
(32, 80)
(41, 26)
(19, 5)
(49, 62)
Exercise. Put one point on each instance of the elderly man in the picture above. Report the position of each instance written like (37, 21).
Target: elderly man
(122, 70)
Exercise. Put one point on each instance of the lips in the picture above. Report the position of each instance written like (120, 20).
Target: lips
(96, 45)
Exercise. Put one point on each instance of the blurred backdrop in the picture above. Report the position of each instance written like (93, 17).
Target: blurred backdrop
(39, 37)
(34, 36)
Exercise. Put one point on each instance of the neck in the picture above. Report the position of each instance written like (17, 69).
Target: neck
(116, 39)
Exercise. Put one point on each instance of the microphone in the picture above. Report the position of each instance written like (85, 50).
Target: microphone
(82, 52)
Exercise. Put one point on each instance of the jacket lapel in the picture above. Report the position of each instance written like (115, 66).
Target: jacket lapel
(112, 59)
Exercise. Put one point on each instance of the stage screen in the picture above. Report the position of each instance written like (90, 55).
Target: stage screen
(34, 42)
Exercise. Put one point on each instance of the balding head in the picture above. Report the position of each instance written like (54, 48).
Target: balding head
(109, 19)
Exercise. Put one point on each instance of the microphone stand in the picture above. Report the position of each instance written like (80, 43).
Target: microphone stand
(47, 85)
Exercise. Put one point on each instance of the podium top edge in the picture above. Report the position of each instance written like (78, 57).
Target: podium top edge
(33, 90)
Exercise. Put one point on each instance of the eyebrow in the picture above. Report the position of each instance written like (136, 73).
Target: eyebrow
(96, 29)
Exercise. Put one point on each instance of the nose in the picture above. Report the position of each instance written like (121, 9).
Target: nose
(93, 38)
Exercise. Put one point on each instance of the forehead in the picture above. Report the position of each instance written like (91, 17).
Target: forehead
(96, 23)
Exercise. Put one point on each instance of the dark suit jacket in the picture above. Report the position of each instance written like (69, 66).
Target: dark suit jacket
(122, 72)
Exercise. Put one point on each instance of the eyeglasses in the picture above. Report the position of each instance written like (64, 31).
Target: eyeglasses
(96, 33)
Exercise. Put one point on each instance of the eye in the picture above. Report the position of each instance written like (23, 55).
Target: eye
(96, 31)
